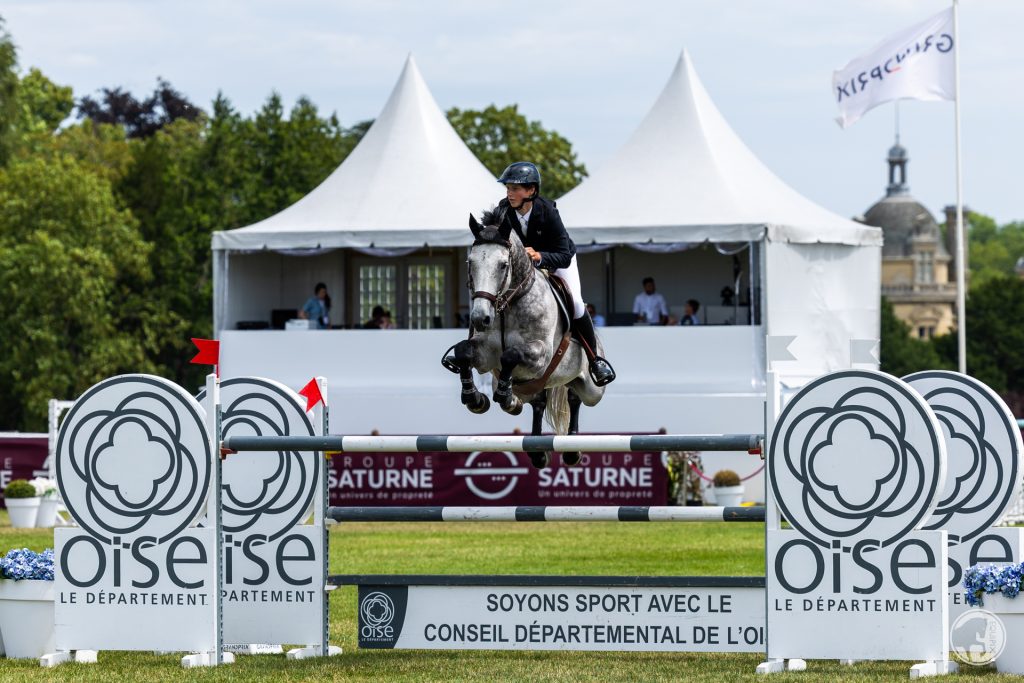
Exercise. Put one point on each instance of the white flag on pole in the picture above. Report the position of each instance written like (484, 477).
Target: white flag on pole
(915, 64)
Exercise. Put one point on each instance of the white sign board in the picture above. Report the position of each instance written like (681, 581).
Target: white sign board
(274, 571)
(856, 466)
(983, 479)
(134, 468)
(494, 617)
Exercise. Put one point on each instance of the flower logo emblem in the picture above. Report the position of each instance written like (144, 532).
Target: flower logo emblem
(856, 452)
(133, 453)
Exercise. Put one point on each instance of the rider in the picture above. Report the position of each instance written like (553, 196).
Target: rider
(547, 243)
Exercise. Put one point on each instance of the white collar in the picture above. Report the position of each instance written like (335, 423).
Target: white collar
(524, 218)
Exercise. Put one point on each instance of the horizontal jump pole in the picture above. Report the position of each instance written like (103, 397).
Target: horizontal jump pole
(605, 443)
(510, 580)
(547, 513)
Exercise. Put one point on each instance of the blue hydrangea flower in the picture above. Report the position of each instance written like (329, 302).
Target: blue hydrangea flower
(982, 579)
(26, 565)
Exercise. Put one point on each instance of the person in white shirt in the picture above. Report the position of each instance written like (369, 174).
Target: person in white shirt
(649, 306)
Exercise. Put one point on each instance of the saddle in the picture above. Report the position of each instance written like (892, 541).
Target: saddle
(562, 295)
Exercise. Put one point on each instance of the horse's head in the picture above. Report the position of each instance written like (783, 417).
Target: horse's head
(497, 261)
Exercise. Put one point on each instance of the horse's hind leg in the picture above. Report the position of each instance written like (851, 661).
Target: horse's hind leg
(471, 397)
(503, 395)
(573, 457)
(539, 403)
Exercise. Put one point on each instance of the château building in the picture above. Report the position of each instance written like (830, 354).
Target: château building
(918, 267)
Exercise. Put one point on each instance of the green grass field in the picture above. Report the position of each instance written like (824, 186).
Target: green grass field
(493, 548)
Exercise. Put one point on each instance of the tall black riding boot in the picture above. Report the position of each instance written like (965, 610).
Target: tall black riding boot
(601, 370)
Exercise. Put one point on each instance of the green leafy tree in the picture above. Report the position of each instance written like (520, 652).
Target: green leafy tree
(43, 104)
(995, 336)
(994, 250)
(499, 137)
(8, 93)
(900, 353)
(72, 264)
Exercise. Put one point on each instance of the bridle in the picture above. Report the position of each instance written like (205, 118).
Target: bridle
(508, 293)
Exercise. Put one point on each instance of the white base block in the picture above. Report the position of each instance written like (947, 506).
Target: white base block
(254, 649)
(78, 656)
(312, 651)
(775, 666)
(936, 668)
(206, 659)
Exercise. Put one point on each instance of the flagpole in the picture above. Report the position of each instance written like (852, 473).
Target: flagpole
(961, 315)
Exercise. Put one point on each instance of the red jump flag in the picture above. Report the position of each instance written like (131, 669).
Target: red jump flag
(312, 393)
(209, 353)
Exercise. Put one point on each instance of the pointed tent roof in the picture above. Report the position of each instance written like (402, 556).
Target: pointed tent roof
(385, 194)
(689, 178)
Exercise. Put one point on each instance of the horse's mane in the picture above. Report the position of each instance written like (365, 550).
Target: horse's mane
(491, 230)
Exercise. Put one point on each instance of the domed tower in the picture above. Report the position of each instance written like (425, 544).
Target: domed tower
(915, 261)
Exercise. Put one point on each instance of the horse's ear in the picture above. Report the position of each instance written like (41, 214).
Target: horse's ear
(474, 226)
(505, 229)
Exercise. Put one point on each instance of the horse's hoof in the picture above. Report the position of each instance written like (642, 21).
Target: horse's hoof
(539, 460)
(515, 409)
(481, 407)
(571, 459)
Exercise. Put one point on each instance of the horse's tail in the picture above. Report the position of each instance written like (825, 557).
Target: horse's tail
(557, 413)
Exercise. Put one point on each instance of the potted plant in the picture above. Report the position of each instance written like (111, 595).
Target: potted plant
(26, 603)
(46, 489)
(22, 503)
(728, 488)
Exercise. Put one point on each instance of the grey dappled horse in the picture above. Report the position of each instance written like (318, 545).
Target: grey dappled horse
(519, 348)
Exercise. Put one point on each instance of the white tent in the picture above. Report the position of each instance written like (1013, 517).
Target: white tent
(690, 178)
(386, 193)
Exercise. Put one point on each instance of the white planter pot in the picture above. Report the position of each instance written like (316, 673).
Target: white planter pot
(23, 511)
(728, 496)
(47, 516)
(1011, 612)
(26, 618)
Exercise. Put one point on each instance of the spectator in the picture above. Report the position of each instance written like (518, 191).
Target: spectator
(690, 316)
(380, 319)
(598, 319)
(649, 306)
(318, 307)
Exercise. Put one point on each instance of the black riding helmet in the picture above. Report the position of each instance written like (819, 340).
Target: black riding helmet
(521, 173)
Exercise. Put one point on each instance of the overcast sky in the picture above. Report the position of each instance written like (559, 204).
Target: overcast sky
(589, 69)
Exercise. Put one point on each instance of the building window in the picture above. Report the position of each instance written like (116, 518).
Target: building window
(925, 270)
(425, 295)
(377, 287)
(415, 289)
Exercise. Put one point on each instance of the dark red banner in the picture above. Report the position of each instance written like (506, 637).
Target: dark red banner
(21, 457)
(495, 478)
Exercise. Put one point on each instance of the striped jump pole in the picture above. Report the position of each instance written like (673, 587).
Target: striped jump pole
(547, 513)
(602, 443)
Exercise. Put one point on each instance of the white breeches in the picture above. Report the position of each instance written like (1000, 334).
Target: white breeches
(571, 275)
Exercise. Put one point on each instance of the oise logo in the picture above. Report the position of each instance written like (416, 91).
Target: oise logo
(377, 612)
(265, 492)
(133, 457)
(855, 454)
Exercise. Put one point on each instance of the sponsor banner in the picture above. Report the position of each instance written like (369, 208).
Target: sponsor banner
(22, 457)
(498, 478)
(898, 591)
(135, 593)
(857, 465)
(135, 471)
(273, 559)
(692, 619)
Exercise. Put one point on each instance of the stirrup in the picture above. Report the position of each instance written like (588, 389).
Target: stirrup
(605, 375)
(448, 362)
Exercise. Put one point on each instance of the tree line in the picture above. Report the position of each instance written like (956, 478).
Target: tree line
(108, 201)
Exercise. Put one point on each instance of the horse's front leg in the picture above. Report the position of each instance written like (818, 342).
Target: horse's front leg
(539, 403)
(471, 397)
(573, 458)
(503, 396)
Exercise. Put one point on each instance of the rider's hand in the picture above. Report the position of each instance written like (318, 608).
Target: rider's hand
(534, 255)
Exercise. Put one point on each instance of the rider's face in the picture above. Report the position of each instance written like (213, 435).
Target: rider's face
(517, 194)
